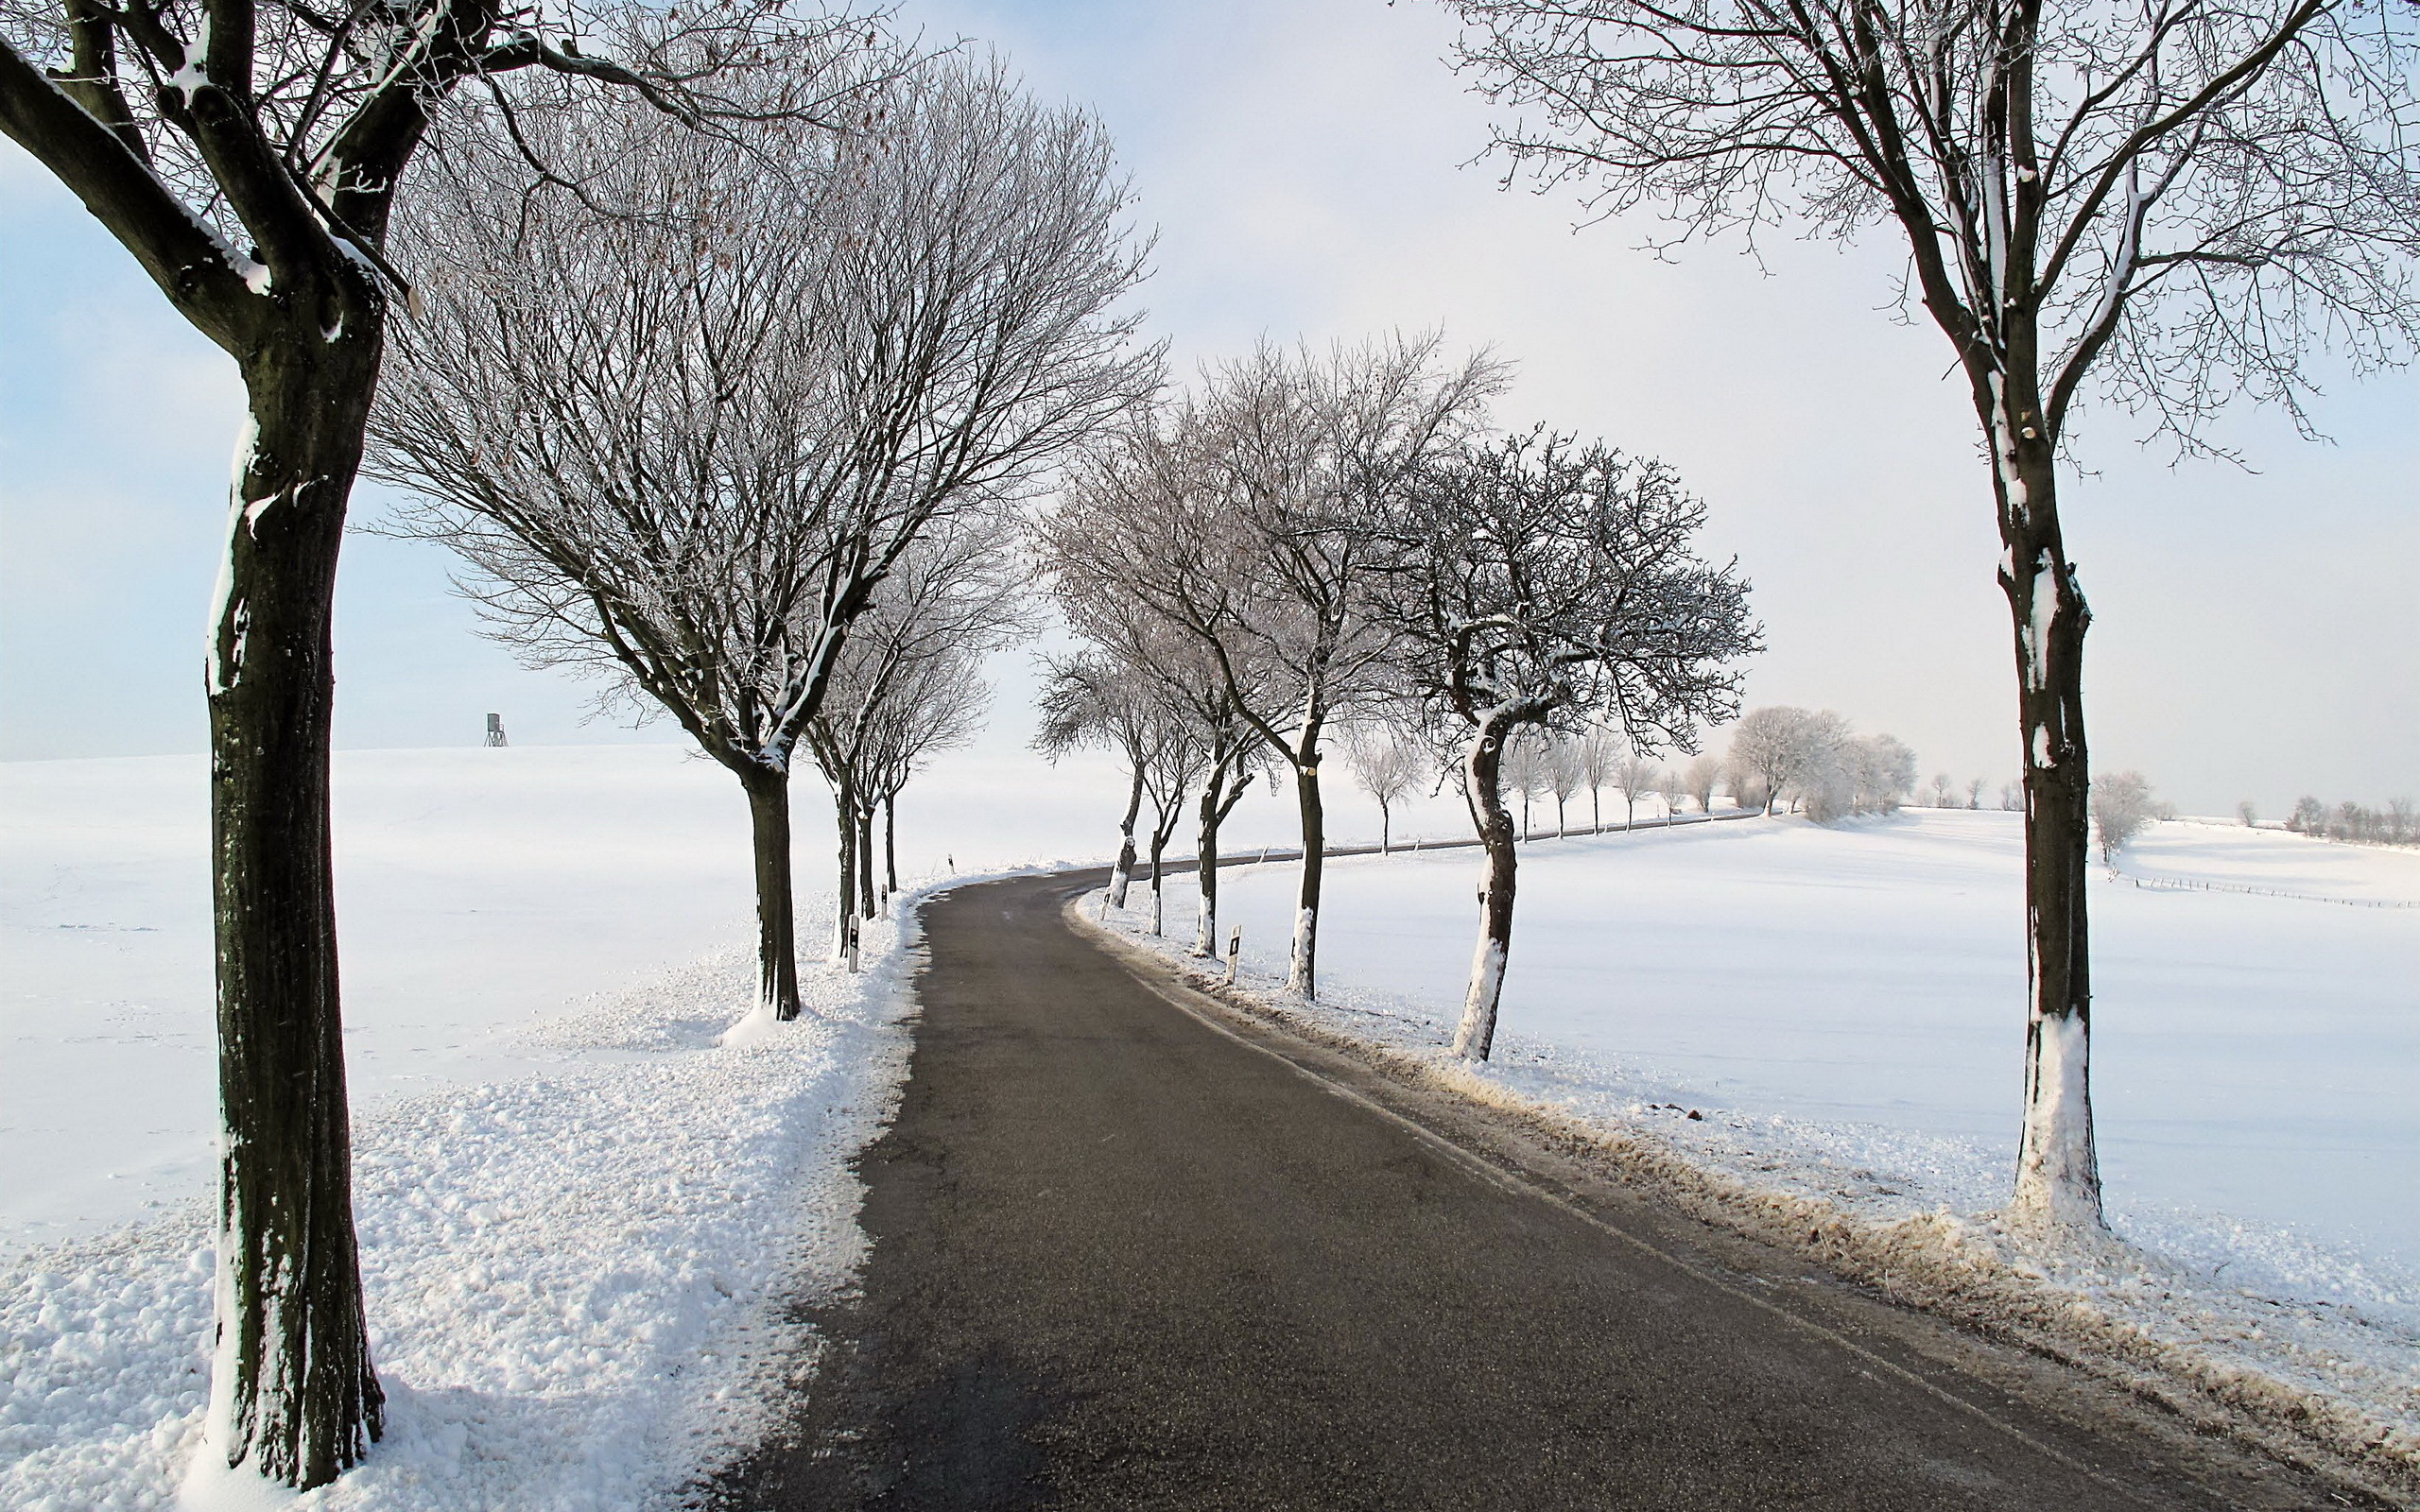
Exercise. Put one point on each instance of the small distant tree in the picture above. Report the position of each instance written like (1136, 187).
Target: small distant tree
(1941, 790)
(2012, 798)
(2123, 807)
(1634, 771)
(1975, 794)
(1700, 776)
(1564, 776)
(1525, 770)
(1673, 786)
(1786, 750)
(1388, 767)
(2309, 818)
(2400, 818)
(1601, 749)
(2249, 814)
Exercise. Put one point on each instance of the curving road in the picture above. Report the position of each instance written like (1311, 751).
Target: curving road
(1128, 1252)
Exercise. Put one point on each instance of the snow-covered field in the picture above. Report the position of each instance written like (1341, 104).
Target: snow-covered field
(575, 1205)
(2254, 1056)
(1843, 1008)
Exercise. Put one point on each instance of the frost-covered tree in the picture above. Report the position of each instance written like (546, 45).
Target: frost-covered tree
(1387, 766)
(2248, 814)
(1088, 701)
(1265, 492)
(1633, 769)
(1144, 497)
(1788, 750)
(1524, 771)
(936, 706)
(2170, 204)
(1564, 775)
(684, 418)
(1544, 584)
(1698, 778)
(250, 156)
(905, 683)
(2309, 815)
(2121, 809)
(1601, 751)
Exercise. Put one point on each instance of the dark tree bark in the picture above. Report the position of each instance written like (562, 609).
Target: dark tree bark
(844, 808)
(769, 812)
(1474, 1039)
(866, 903)
(1303, 977)
(889, 844)
(1124, 872)
(299, 1394)
(2057, 1165)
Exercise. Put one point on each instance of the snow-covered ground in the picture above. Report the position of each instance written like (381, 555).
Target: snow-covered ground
(575, 1205)
(1844, 1007)
(2252, 1057)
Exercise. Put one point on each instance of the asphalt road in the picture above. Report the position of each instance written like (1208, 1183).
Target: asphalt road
(1130, 1253)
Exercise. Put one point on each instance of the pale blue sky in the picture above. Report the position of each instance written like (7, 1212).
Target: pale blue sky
(2256, 634)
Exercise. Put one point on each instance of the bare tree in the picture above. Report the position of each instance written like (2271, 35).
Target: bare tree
(1786, 750)
(938, 706)
(1601, 749)
(1673, 786)
(2309, 816)
(2121, 808)
(2175, 203)
(1943, 790)
(1699, 776)
(250, 157)
(1087, 700)
(1259, 536)
(2247, 812)
(685, 421)
(1388, 767)
(1975, 792)
(1547, 583)
(1633, 770)
(1524, 771)
(956, 595)
(1564, 775)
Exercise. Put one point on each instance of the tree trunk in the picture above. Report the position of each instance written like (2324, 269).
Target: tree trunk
(2058, 1170)
(768, 811)
(845, 805)
(866, 903)
(1205, 870)
(292, 1388)
(1123, 872)
(1386, 846)
(1476, 1036)
(1303, 976)
(889, 844)
(1558, 816)
(1159, 912)
(1596, 814)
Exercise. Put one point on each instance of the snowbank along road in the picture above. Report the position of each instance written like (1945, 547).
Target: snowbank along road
(1130, 1252)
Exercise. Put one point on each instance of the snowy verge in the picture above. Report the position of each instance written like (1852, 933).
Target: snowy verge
(582, 1283)
(2313, 1359)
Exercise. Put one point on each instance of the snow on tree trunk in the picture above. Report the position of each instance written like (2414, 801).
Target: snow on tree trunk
(769, 812)
(1302, 975)
(1123, 873)
(1474, 1038)
(866, 905)
(2058, 1174)
(293, 1396)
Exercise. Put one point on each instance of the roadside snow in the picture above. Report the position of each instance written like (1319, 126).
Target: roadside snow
(1822, 1029)
(576, 1278)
